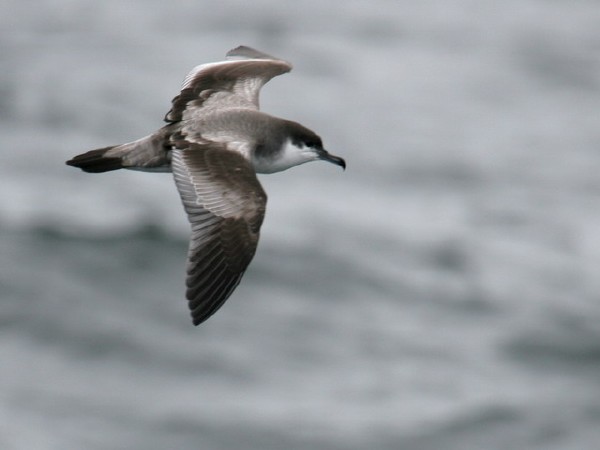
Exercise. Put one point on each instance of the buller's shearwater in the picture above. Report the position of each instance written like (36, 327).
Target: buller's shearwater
(215, 142)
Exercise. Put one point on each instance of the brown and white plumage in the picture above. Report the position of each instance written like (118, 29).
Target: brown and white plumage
(215, 142)
(234, 83)
(225, 204)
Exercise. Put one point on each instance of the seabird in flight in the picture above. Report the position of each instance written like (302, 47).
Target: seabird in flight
(215, 142)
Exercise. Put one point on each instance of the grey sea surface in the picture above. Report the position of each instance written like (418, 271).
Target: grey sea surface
(441, 293)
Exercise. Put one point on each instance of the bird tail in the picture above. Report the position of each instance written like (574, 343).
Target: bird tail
(96, 161)
(151, 153)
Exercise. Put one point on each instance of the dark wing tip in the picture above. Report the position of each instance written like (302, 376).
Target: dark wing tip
(244, 51)
(206, 297)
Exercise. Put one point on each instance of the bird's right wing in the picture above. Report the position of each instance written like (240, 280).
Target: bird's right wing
(226, 205)
(235, 82)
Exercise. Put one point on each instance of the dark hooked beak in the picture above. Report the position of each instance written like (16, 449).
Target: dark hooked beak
(326, 156)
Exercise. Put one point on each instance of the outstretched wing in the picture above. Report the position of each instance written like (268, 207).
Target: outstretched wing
(225, 204)
(235, 82)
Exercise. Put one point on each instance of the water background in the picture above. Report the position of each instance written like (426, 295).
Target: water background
(442, 293)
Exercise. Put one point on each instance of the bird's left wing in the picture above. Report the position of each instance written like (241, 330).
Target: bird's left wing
(235, 82)
(225, 204)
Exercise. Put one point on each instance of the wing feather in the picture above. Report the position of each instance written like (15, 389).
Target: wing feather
(225, 204)
(231, 83)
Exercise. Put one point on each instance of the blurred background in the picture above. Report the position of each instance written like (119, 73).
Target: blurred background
(441, 293)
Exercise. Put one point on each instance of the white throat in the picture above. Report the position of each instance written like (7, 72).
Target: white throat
(288, 156)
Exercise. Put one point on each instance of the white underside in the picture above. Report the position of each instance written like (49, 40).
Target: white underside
(289, 156)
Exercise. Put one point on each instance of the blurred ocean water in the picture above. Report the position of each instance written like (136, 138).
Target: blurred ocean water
(442, 293)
